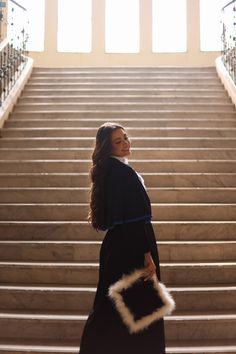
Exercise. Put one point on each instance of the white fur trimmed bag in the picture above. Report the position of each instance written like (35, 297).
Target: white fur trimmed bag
(140, 302)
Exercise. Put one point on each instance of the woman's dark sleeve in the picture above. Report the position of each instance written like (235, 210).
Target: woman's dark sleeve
(126, 199)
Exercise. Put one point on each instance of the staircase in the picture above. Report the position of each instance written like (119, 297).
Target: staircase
(183, 130)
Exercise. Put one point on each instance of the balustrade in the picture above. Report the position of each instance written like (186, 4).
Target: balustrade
(229, 38)
(13, 50)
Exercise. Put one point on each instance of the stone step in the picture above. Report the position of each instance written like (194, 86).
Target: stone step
(81, 230)
(55, 179)
(132, 69)
(137, 153)
(191, 74)
(124, 98)
(150, 166)
(124, 70)
(220, 92)
(54, 298)
(127, 85)
(140, 131)
(202, 347)
(122, 116)
(125, 79)
(124, 106)
(153, 123)
(86, 274)
(152, 180)
(197, 326)
(136, 142)
(79, 211)
(124, 75)
(88, 251)
(173, 347)
(81, 195)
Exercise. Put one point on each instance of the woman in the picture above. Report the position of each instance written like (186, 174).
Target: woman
(120, 205)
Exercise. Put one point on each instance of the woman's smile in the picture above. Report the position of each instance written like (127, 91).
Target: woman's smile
(120, 143)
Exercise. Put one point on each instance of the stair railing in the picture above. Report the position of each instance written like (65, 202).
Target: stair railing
(13, 50)
(229, 38)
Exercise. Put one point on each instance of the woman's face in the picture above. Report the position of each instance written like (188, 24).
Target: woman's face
(120, 143)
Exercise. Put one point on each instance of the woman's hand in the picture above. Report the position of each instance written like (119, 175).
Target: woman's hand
(150, 267)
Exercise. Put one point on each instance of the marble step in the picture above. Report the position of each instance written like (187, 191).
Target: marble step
(220, 92)
(127, 85)
(140, 131)
(131, 69)
(81, 195)
(125, 106)
(149, 166)
(54, 326)
(126, 70)
(79, 211)
(136, 142)
(120, 76)
(125, 80)
(153, 123)
(88, 251)
(120, 80)
(42, 297)
(121, 116)
(74, 273)
(124, 98)
(136, 153)
(152, 180)
(81, 230)
(173, 347)
(126, 74)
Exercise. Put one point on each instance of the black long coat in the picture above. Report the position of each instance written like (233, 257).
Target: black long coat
(130, 234)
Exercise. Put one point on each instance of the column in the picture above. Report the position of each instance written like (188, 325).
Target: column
(145, 26)
(98, 27)
(51, 10)
(193, 26)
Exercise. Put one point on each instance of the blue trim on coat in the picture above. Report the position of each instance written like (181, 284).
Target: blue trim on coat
(116, 223)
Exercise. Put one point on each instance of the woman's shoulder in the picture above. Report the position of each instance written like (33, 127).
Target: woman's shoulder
(117, 167)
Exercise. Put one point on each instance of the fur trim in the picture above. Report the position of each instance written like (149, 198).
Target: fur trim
(126, 315)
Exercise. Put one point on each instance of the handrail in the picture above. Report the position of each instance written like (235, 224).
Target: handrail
(229, 40)
(13, 54)
(19, 5)
(231, 2)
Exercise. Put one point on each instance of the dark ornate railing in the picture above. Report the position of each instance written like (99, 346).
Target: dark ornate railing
(229, 38)
(13, 51)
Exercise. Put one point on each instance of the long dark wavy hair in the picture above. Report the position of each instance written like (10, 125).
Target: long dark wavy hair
(102, 152)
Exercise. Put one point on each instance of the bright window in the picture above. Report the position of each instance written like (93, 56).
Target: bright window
(74, 26)
(169, 26)
(122, 26)
(210, 25)
(32, 20)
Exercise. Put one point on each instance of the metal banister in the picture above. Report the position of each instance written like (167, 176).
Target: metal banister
(12, 56)
(229, 38)
(18, 4)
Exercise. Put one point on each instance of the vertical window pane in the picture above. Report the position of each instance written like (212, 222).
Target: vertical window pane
(122, 26)
(169, 26)
(210, 26)
(36, 15)
(32, 21)
(74, 26)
